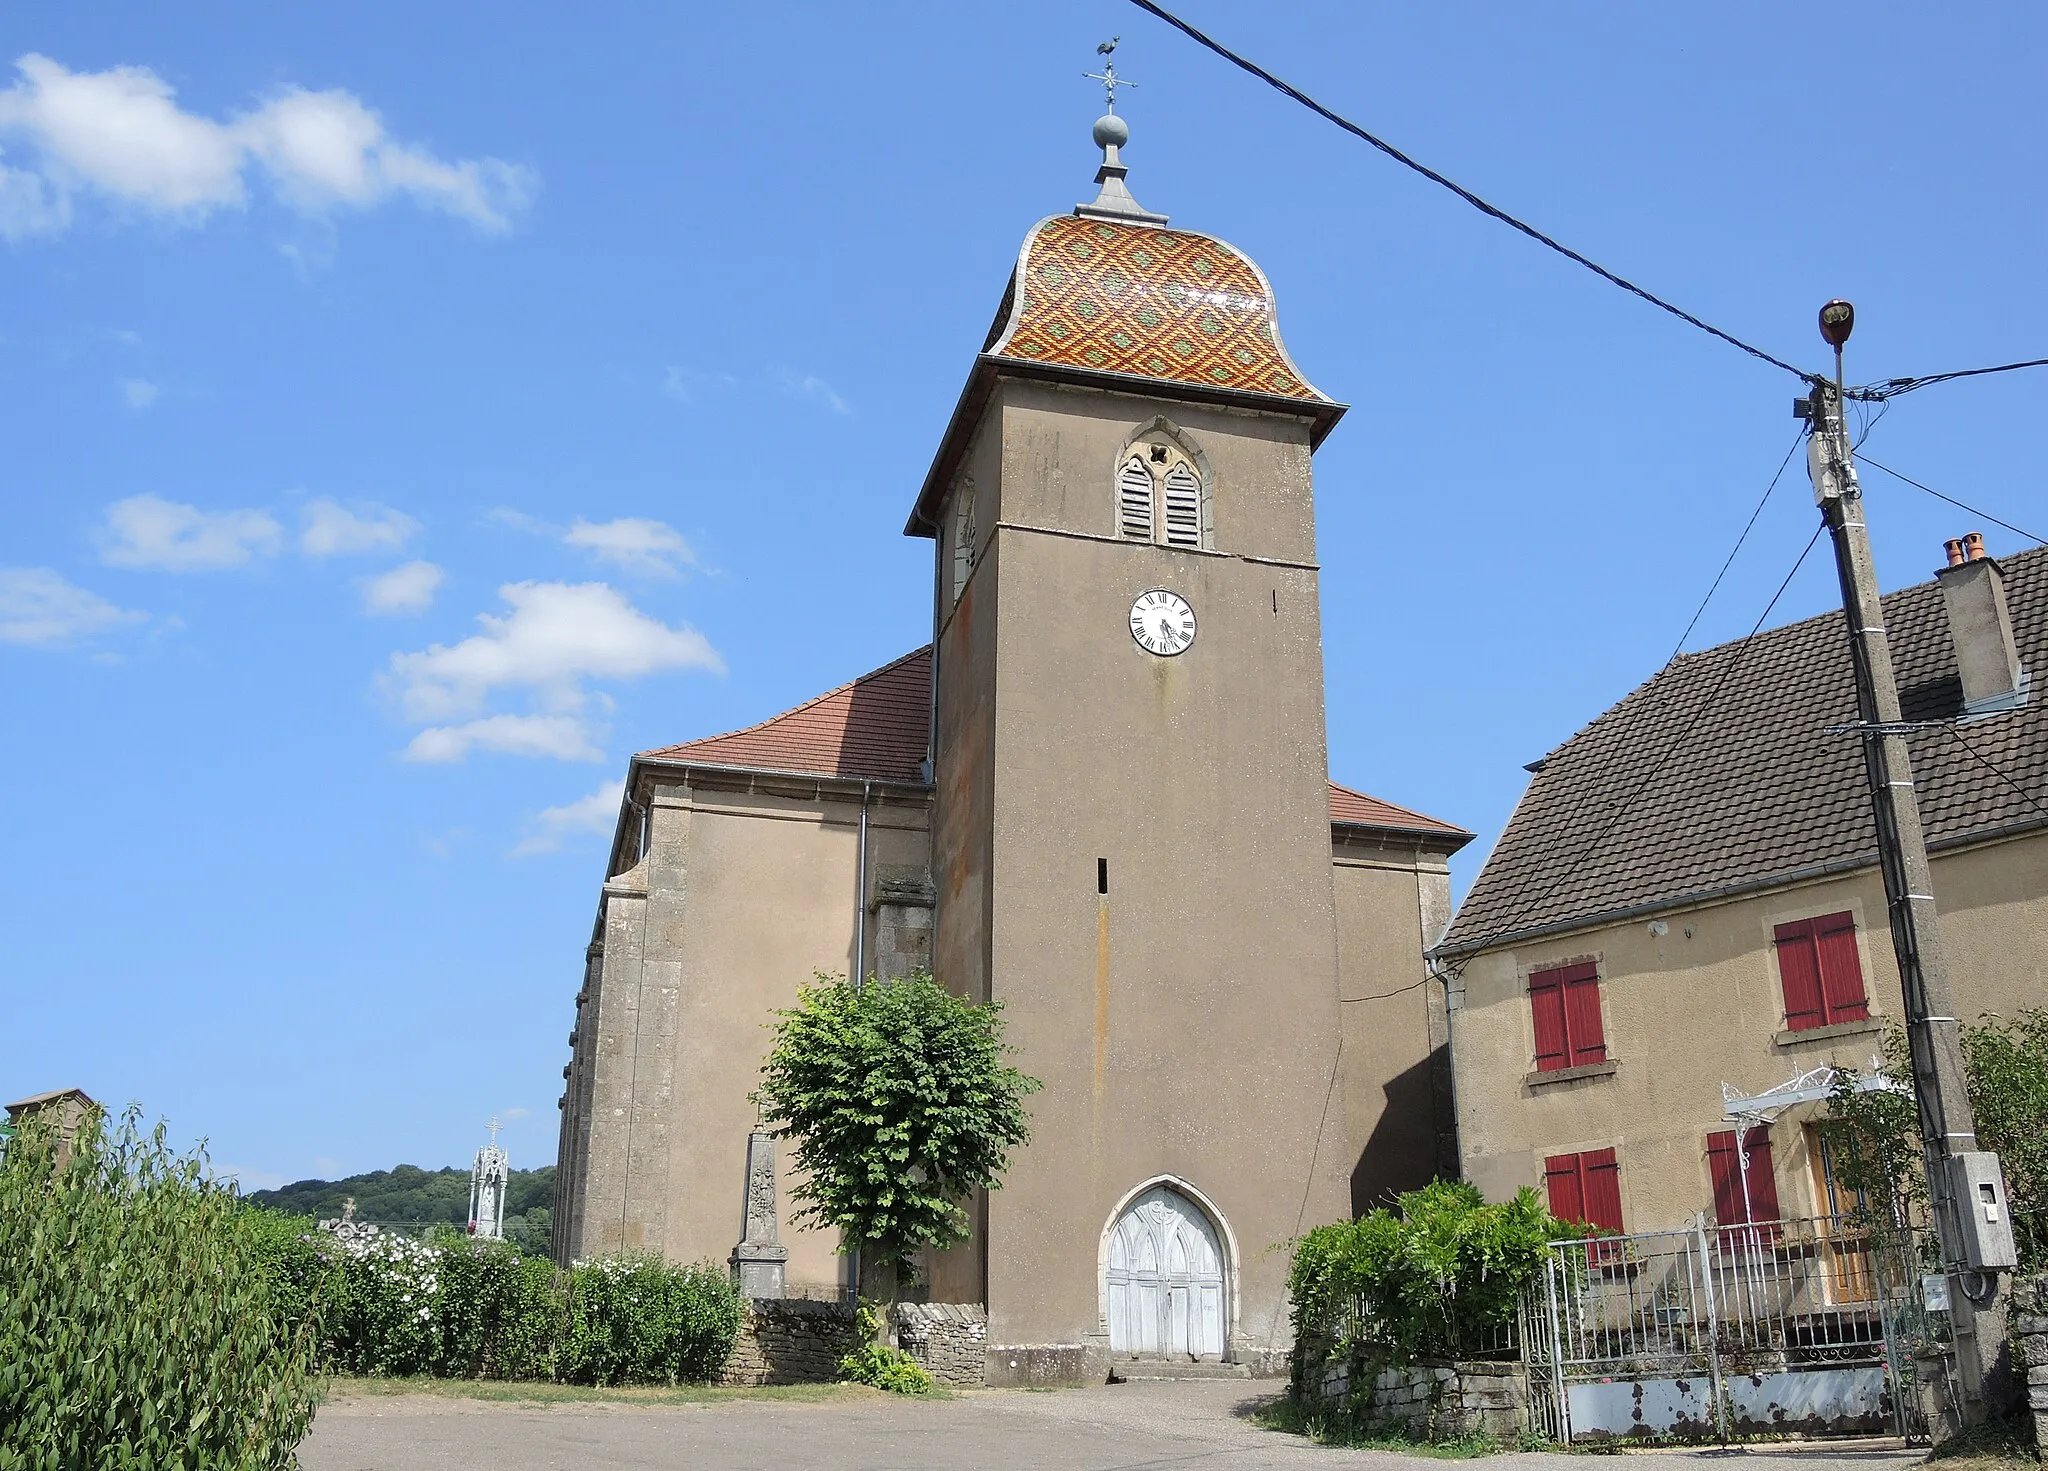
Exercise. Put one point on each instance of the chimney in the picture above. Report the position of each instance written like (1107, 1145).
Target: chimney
(1980, 624)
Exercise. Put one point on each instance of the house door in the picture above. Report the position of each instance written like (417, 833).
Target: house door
(1165, 1279)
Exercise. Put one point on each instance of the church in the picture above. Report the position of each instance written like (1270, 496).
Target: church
(1100, 795)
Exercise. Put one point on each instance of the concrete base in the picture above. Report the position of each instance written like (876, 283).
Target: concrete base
(1046, 1366)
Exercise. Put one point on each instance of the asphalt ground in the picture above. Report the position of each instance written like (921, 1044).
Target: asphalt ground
(1199, 1425)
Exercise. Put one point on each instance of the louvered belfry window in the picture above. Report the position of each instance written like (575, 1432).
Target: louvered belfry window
(1183, 507)
(1134, 499)
(1160, 499)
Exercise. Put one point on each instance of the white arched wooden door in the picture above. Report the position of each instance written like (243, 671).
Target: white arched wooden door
(1165, 1279)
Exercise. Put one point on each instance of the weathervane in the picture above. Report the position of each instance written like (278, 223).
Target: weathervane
(1107, 76)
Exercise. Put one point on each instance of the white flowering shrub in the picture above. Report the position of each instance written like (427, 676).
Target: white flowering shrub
(388, 1291)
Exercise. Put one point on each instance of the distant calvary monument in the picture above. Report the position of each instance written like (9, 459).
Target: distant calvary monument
(487, 1180)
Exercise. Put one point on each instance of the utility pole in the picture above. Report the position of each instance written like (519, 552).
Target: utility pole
(1965, 1189)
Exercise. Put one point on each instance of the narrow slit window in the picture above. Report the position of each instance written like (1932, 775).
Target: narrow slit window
(1134, 499)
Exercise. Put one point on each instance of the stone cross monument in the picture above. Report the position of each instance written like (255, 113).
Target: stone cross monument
(758, 1260)
(488, 1178)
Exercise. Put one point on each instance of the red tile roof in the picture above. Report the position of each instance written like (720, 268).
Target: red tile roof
(874, 729)
(1356, 809)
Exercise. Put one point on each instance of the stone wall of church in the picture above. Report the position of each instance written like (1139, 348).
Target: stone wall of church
(748, 887)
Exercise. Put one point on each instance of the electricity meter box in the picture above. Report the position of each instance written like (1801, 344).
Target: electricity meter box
(1977, 1186)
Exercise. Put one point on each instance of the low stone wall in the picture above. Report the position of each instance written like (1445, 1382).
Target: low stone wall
(949, 1339)
(1434, 1400)
(2027, 1324)
(789, 1341)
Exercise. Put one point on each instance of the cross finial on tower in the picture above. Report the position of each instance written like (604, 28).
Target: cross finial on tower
(1107, 76)
(494, 1126)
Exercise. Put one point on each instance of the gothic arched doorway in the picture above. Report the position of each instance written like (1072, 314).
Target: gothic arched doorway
(1163, 1278)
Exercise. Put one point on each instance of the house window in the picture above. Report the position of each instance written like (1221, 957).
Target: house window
(1585, 1187)
(1745, 1188)
(1159, 497)
(1566, 1006)
(1819, 969)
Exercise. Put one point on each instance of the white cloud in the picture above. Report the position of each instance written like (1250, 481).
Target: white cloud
(38, 607)
(406, 589)
(121, 133)
(149, 531)
(651, 548)
(812, 386)
(556, 636)
(139, 392)
(331, 529)
(560, 737)
(513, 1115)
(597, 813)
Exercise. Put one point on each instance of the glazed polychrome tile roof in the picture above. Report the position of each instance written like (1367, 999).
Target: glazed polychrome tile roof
(1147, 302)
(874, 728)
(1751, 791)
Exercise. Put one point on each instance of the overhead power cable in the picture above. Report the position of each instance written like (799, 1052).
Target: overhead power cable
(1986, 762)
(1627, 804)
(1893, 387)
(1700, 611)
(1494, 211)
(1961, 505)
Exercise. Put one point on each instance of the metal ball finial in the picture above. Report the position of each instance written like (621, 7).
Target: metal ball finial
(1111, 131)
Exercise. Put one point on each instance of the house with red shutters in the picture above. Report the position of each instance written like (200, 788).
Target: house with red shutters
(1685, 911)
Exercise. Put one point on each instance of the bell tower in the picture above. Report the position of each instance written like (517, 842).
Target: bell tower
(1131, 830)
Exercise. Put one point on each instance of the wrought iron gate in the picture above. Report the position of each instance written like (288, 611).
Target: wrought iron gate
(1721, 1332)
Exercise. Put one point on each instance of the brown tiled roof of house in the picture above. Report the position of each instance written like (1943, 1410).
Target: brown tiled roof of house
(874, 729)
(1754, 792)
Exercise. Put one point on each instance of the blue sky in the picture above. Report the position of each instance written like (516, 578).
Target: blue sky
(412, 411)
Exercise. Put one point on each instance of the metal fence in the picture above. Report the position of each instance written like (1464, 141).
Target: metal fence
(1795, 1325)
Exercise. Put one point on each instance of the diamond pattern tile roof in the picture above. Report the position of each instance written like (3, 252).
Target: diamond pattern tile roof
(1755, 792)
(1148, 302)
(874, 729)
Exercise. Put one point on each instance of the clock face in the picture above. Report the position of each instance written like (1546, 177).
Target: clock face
(1163, 623)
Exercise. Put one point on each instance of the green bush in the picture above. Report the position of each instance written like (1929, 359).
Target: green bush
(885, 1368)
(138, 1324)
(496, 1311)
(639, 1320)
(1875, 1135)
(1439, 1276)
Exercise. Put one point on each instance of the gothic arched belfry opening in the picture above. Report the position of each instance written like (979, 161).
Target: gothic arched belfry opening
(1100, 796)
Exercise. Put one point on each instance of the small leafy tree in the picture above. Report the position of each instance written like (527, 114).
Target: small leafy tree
(901, 1103)
(137, 1324)
(1874, 1136)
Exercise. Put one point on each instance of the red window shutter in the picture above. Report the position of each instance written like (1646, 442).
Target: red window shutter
(1602, 1174)
(1582, 1027)
(1562, 1184)
(1546, 1001)
(1841, 972)
(1799, 970)
(1763, 1176)
(1725, 1170)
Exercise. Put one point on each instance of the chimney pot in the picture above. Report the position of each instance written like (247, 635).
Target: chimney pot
(1954, 547)
(1980, 625)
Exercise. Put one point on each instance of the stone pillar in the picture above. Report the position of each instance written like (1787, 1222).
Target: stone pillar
(902, 910)
(757, 1262)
